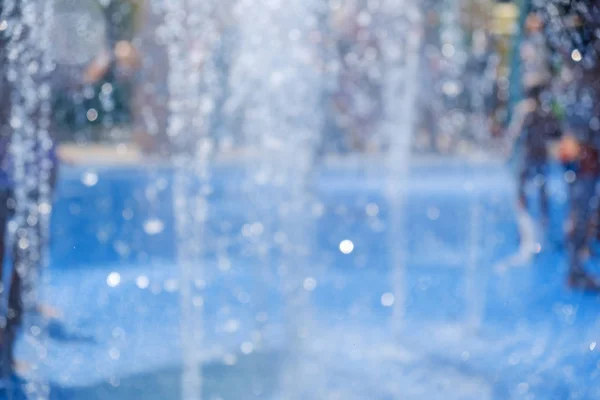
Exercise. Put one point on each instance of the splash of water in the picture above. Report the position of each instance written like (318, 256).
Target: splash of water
(30, 66)
(191, 32)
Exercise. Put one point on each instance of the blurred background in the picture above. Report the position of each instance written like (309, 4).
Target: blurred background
(317, 199)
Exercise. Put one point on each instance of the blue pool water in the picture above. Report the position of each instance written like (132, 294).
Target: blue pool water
(465, 329)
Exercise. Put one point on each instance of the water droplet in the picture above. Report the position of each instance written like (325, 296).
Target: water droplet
(113, 279)
(262, 317)
(433, 213)
(448, 50)
(576, 55)
(92, 114)
(224, 264)
(35, 330)
(346, 246)
(118, 333)
(310, 284)
(522, 388)
(142, 282)
(246, 230)
(127, 214)
(23, 243)
(45, 208)
(570, 176)
(114, 354)
(256, 229)
(247, 347)
(89, 178)
(198, 301)
(372, 209)
(230, 359)
(171, 285)
(153, 226)
(231, 326)
(107, 88)
(592, 346)
(388, 299)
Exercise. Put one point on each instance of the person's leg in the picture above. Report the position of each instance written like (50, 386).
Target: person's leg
(524, 173)
(544, 197)
(583, 206)
(4, 286)
(14, 315)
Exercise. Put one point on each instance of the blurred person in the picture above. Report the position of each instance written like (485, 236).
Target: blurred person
(535, 54)
(539, 125)
(580, 147)
(532, 126)
(357, 102)
(580, 150)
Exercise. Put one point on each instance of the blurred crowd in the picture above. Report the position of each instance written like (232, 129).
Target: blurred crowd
(112, 76)
(557, 122)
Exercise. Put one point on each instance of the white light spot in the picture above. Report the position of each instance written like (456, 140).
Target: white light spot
(142, 282)
(113, 279)
(310, 284)
(127, 214)
(118, 333)
(247, 347)
(372, 210)
(114, 354)
(199, 284)
(280, 237)
(256, 229)
(89, 178)
(294, 34)
(318, 210)
(230, 359)
(3, 25)
(23, 243)
(35, 330)
(107, 88)
(224, 264)
(262, 317)
(570, 176)
(153, 226)
(448, 50)
(243, 298)
(92, 114)
(231, 326)
(592, 346)
(522, 388)
(433, 213)
(388, 299)
(45, 208)
(346, 246)
(171, 285)
(198, 301)
(576, 55)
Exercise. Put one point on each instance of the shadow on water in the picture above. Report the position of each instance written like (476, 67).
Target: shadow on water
(251, 376)
(58, 331)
